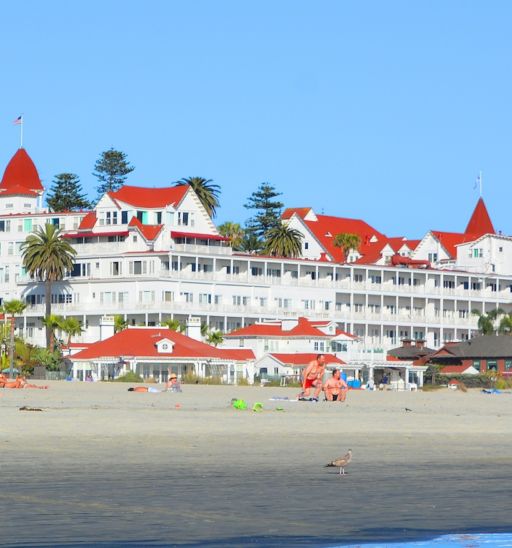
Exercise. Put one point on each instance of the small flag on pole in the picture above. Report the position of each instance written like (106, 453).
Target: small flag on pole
(18, 121)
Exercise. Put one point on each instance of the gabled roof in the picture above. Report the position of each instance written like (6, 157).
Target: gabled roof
(304, 328)
(326, 227)
(88, 221)
(22, 172)
(481, 347)
(480, 222)
(150, 197)
(290, 211)
(141, 343)
(150, 232)
(304, 358)
(451, 239)
(397, 243)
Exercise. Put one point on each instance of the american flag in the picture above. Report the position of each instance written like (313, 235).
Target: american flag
(18, 121)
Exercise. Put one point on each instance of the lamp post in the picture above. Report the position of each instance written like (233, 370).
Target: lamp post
(11, 348)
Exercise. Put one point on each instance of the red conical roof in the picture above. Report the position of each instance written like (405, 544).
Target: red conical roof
(480, 222)
(21, 172)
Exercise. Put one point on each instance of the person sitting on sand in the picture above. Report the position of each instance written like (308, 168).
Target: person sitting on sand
(172, 384)
(313, 375)
(150, 389)
(336, 388)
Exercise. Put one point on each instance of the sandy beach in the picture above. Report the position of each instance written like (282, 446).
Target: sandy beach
(102, 466)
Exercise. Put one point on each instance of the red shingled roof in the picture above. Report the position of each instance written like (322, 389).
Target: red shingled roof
(326, 228)
(141, 342)
(290, 211)
(480, 222)
(304, 358)
(150, 232)
(450, 239)
(304, 328)
(17, 190)
(21, 171)
(198, 236)
(150, 197)
(88, 221)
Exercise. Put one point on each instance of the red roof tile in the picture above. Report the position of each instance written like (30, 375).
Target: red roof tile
(304, 328)
(150, 197)
(290, 211)
(150, 232)
(327, 227)
(454, 369)
(17, 190)
(450, 239)
(480, 222)
(21, 171)
(88, 221)
(198, 236)
(304, 358)
(142, 344)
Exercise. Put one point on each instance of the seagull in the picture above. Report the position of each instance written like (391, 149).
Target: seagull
(341, 462)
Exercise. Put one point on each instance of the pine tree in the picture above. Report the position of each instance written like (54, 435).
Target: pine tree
(66, 194)
(111, 170)
(268, 210)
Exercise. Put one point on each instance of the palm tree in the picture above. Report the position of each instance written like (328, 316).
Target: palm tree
(234, 232)
(119, 323)
(283, 241)
(174, 325)
(206, 191)
(486, 321)
(15, 307)
(215, 337)
(26, 356)
(72, 327)
(347, 241)
(251, 244)
(505, 327)
(52, 323)
(47, 257)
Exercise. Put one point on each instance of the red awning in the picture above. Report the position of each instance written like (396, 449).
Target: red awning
(198, 236)
(94, 234)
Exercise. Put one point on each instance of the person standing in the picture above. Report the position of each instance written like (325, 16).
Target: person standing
(312, 378)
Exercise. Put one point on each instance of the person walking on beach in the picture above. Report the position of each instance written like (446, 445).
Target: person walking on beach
(313, 375)
(336, 388)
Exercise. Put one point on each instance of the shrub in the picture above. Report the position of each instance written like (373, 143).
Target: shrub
(129, 377)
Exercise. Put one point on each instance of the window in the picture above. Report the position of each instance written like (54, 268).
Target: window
(492, 365)
(500, 250)
(146, 297)
(158, 217)
(374, 279)
(55, 221)
(476, 364)
(308, 304)
(358, 278)
(508, 365)
(111, 218)
(187, 297)
(138, 267)
(9, 206)
(182, 218)
(5, 226)
(10, 248)
(122, 297)
(232, 270)
(432, 257)
(273, 272)
(142, 216)
(256, 271)
(306, 245)
(27, 225)
(115, 269)
(124, 217)
(168, 296)
(239, 300)
(205, 298)
(448, 284)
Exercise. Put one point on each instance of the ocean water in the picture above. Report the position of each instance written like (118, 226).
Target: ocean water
(466, 540)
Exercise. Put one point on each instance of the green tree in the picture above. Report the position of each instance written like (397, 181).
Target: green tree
(268, 210)
(505, 327)
(72, 327)
(347, 242)
(26, 356)
(283, 241)
(174, 325)
(50, 360)
(234, 232)
(111, 170)
(14, 308)
(66, 194)
(52, 322)
(206, 191)
(486, 322)
(47, 257)
(215, 337)
(251, 244)
(119, 323)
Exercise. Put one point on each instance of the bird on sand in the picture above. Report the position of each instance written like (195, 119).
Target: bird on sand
(341, 462)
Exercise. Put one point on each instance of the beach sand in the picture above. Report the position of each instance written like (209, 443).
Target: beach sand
(103, 466)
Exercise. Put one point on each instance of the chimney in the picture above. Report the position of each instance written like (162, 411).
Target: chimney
(106, 327)
(406, 343)
(194, 328)
(420, 343)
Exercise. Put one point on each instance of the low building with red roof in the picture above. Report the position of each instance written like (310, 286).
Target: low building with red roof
(153, 352)
(291, 336)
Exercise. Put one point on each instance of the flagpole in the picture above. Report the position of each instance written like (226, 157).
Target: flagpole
(21, 131)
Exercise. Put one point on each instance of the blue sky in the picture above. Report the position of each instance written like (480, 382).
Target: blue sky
(379, 110)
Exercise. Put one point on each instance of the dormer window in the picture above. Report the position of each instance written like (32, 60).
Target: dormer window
(164, 346)
(111, 218)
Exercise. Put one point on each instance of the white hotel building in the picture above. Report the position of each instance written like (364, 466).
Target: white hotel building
(154, 253)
